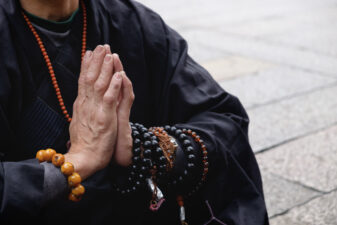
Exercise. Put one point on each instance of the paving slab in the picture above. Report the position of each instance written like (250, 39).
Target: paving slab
(320, 39)
(182, 14)
(320, 211)
(282, 121)
(271, 84)
(234, 66)
(262, 50)
(311, 160)
(202, 54)
(284, 24)
(281, 195)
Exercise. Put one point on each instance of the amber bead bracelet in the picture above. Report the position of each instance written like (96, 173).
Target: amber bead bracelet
(67, 168)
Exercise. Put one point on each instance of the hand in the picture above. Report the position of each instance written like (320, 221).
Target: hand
(93, 129)
(123, 150)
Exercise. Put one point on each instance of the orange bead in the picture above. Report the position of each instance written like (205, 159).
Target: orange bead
(49, 153)
(40, 155)
(180, 200)
(74, 180)
(58, 159)
(74, 198)
(78, 190)
(67, 168)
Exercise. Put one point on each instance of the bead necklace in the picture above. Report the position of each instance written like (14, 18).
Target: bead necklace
(48, 62)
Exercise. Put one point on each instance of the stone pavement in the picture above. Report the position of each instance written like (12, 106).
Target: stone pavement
(280, 58)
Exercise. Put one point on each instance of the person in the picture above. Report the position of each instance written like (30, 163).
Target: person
(111, 63)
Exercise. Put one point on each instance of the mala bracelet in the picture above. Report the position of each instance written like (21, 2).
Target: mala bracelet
(147, 158)
(203, 149)
(67, 168)
(188, 151)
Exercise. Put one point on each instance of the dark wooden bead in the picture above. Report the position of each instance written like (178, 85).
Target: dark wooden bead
(162, 159)
(189, 150)
(173, 129)
(158, 151)
(137, 151)
(136, 142)
(143, 130)
(154, 138)
(178, 132)
(186, 143)
(136, 159)
(190, 165)
(147, 153)
(182, 137)
(191, 157)
(143, 169)
(147, 162)
(135, 134)
(146, 136)
(154, 143)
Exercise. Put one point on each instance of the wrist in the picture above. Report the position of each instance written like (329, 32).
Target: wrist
(81, 162)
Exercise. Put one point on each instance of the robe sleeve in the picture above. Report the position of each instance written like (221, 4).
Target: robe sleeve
(25, 186)
(186, 95)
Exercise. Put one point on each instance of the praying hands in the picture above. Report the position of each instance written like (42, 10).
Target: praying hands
(100, 126)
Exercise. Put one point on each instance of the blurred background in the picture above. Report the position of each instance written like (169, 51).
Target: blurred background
(280, 58)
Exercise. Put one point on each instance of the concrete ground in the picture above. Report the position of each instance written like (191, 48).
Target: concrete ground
(280, 58)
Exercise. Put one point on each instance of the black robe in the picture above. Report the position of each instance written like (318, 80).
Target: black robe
(170, 89)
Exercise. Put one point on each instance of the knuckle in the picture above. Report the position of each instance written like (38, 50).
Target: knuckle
(89, 79)
(116, 86)
(109, 99)
(132, 97)
(99, 86)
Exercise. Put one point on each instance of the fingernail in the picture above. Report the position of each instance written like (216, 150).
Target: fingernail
(118, 76)
(88, 54)
(99, 48)
(107, 47)
(107, 58)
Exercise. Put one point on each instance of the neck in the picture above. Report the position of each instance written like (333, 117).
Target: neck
(55, 10)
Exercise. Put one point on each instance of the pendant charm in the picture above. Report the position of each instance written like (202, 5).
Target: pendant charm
(182, 216)
(158, 197)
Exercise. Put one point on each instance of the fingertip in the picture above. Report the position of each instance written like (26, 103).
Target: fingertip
(87, 54)
(107, 58)
(107, 49)
(118, 75)
(99, 49)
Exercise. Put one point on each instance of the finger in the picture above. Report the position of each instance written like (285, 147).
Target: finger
(94, 69)
(103, 81)
(111, 95)
(84, 70)
(107, 49)
(127, 99)
(118, 66)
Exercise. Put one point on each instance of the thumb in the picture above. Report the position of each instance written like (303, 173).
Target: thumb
(126, 101)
